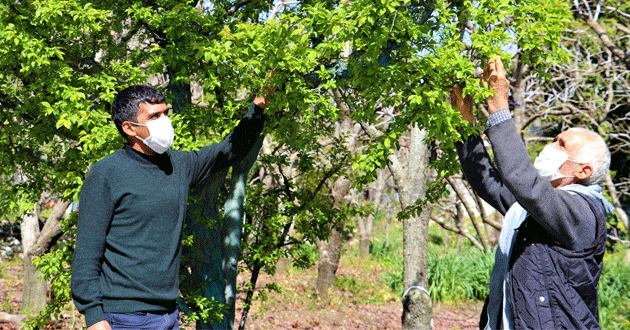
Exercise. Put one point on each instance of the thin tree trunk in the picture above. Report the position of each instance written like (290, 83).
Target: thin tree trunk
(366, 225)
(411, 186)
(330, 251)
(249, 298)
(35, 243)
(417, 304)
(471, 211)
(329, 256)
(34, 292)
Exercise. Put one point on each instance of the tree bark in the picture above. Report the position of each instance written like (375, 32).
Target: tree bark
(329, 256)
(470, 208)
(330, 250)
(417, 304)
(34, 292)
(411, 186)
(14, 319)
(34, 244)
(366, 224)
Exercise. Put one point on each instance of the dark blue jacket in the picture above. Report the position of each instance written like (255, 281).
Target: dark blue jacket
(556, 259)
(552, 287)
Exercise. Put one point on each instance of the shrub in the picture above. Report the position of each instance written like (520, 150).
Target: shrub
(459, 276)
(614, 291)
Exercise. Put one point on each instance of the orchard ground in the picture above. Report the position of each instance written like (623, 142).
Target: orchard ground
(359, 300)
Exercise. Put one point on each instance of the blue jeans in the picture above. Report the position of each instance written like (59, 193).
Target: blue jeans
(148, 321)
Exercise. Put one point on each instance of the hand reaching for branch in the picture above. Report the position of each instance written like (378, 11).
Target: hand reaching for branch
(262, 100)
(464, 105)
(494, 75)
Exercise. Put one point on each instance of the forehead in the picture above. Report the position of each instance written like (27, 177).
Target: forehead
(146, 109)
(571, 138)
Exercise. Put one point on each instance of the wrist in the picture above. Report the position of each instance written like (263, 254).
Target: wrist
(498, 106)
(260, 101)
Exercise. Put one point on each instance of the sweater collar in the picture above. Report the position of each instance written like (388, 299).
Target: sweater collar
(143, 158)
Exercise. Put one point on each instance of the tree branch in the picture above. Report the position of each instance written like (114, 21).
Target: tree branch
(14, 319)
(470, 209)
(619, 53)
(470, 237)
(51, 230)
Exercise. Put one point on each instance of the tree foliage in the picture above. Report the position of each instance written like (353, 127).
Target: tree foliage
(62, 61)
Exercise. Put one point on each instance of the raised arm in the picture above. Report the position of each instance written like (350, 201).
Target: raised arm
(235, 147)
(566, 217)
(476, 164)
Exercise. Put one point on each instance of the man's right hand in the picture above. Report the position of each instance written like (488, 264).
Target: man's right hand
(263, 100)
(103, 325)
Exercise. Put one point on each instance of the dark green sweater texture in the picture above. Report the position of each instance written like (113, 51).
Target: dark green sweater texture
(131, 214)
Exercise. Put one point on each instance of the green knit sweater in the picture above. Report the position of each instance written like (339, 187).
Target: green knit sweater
(131, 215)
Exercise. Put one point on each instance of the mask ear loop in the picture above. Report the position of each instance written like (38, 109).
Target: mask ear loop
(576, 162)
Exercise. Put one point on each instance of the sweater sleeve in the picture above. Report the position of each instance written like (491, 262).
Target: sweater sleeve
(95, 214)
(566, 217)
(482, 175)
(234, 148)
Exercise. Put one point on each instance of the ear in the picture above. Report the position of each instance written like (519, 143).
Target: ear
(584, 172)
(129, 129)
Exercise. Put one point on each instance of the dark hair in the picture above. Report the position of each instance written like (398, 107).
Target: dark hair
(126, 103)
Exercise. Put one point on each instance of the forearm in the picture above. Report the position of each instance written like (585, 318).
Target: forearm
(234, 148)
(482, 175)
(240, 141)
(85, 285)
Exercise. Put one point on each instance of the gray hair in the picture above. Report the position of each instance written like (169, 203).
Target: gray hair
(594, 152)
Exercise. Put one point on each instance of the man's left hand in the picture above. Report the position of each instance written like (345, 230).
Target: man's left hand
(494, 75)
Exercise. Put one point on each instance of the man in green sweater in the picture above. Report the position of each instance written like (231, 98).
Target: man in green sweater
(125, 269)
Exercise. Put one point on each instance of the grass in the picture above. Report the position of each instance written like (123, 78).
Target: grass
(614, 291)
(460, 274)
(9, 281)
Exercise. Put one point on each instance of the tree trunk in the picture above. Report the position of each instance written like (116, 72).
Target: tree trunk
(329, 256)
(417, 304)
(34, 292)
(330, 251)
(411, 186)
(518, 93)
(215, 252)
(366, 224)
(35, 243)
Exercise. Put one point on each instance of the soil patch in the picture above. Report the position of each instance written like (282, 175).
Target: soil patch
(295, 308)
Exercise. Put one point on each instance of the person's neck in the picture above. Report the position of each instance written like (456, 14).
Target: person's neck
(561, 182)
(137, 145)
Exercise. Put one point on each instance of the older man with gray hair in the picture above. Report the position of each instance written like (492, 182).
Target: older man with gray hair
(549, 258)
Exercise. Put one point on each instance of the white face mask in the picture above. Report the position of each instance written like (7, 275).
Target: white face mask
(549, 161)
(161, 134)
